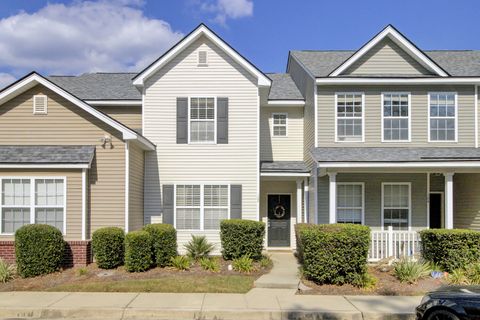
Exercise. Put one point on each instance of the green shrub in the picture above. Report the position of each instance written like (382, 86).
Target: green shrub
(210, 264)
(409, 270)
(164, 237)
(457, 277)
(138, 251)
(82, 272)
(7, 271)
(39, 249)
(242, 237)
(266, 262)
(243, 264)
(298, 228)
(473, 273)
(365, 281)
(180, 262)
(198, 247)
(108, 246)
(469, 276)
(451, 249)
(334, 253)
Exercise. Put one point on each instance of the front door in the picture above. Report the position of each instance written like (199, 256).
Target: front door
(436, 210)
(279, 220)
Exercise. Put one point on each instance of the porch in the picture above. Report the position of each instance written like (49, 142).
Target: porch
(398, 192)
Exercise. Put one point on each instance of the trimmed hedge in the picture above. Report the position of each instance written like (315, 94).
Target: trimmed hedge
(108, 246)
(334, 253)
(242, 237)
(39, 249)
(451, 248)
(164, 239)
(138, 251)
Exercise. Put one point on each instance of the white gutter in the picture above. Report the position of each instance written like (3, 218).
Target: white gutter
(285, 174)
(44, 166)
(286, 103)
(445, 80)
(425, 164)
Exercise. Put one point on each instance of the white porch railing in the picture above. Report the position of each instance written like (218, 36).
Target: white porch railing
(396, 244)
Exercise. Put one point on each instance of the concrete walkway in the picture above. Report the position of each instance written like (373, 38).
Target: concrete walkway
(284, 274)
(261, 304)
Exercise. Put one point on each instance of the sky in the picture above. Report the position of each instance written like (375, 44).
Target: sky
(74, 37)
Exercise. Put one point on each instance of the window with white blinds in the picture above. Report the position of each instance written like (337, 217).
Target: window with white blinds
(202, 120)
(396, 205)
(201, 207)
(350, 203)
(32, 200)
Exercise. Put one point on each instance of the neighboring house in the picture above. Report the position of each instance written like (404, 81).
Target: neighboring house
(385, 136)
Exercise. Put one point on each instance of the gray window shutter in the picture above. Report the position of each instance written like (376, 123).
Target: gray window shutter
(168, 203)
(182, 120)
(236, 201)
(222, 120)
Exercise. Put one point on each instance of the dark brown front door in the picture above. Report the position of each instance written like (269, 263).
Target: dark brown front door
(436, 210)
(278, 220)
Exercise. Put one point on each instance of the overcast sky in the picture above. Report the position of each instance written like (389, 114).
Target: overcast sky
(73, 37)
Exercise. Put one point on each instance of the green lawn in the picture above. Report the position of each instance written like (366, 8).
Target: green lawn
(178, 283)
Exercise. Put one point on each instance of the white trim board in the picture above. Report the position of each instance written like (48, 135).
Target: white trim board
(44, 166)
(423, 164)
(406, 81)
(402, 42)
(201, 30)
(286, 103)
(34, 78)
(285, 174)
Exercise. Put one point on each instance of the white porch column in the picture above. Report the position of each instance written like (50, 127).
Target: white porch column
(299, 201)
(448, 200)
(332, 187)
(306, 204)
(84, 204)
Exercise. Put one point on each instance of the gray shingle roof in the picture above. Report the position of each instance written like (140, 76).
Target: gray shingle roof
(283, 87)
(394, 154)
(99, 86)
(284, 166)
(46, 154)
(459, 63)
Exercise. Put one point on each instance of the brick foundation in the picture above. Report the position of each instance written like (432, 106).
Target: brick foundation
(77, 253)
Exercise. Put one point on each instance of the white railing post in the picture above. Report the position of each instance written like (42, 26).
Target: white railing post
(390, 241)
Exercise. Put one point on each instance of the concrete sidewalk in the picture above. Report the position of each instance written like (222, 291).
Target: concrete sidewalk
(261, 304)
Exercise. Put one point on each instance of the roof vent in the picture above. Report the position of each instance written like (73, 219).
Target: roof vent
(39, 104)
(202, 58)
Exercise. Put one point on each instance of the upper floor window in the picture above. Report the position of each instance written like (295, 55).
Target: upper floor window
(202, 120)
(442, 116)
(349, 114)
(396, 113)
(280, 124)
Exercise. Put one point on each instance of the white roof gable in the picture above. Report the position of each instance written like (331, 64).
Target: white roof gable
(202, 29)
(402, 42)
(32, 79)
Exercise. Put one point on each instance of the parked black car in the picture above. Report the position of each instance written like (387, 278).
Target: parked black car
(450, 303)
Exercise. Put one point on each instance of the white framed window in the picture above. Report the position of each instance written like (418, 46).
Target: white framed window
(396, 205)
(442, 116)
(27, 200)
(279, 124)
(350, 202)
(202, 119)
(395, 117)
(201, 207)
(349, 115)
(202, 58)
(40, 104)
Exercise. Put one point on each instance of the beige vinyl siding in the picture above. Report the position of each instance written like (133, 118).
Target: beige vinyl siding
(136, 165)
(73, 180)
(236, 162)
(289, 148)
(131, 116)
(466, 201)
(280, 187)
(67, 124)
(386, 58)
(306, 84)
(418, 117)
(373, 196)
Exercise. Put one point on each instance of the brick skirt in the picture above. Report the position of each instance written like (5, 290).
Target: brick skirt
(77, 253)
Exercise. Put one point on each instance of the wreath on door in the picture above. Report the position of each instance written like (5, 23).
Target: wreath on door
(279, 211)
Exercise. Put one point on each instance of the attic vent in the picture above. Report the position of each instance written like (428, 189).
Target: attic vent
(39, 104)
(202, 58)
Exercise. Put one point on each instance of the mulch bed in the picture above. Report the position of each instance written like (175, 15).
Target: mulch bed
(92, 273)
(387, 285)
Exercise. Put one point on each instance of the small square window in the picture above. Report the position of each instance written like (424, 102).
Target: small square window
(279, 124)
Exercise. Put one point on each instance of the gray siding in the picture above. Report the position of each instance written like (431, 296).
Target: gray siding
(466, 211)
(437, 182)
(373, 191)
(373, 115)
(289, 148)
(386, 58)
